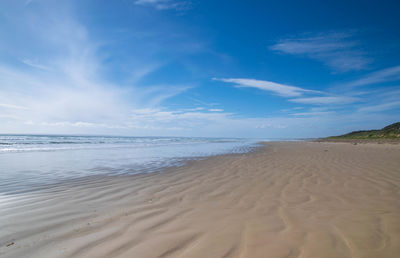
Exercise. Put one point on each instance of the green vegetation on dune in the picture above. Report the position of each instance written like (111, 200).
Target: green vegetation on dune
(389, 132)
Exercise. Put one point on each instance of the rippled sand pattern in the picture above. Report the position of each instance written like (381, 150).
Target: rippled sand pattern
(284, 200)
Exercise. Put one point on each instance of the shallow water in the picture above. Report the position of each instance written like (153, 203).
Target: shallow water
(28, 162)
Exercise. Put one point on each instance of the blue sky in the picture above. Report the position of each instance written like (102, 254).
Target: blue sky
(273, 69)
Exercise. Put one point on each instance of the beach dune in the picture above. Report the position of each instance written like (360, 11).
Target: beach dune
(286, 199)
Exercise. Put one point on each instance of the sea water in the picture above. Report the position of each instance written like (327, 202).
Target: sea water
(29, 162)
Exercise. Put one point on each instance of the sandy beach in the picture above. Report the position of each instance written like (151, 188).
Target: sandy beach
(286, 199)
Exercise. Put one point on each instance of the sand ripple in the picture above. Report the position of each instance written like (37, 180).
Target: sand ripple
(284, 200)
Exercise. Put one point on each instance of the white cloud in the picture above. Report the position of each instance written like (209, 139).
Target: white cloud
(165, 4)
(384, 75)
(277, 88)
(381, 107)
(73, 93)
(213, 123)
(4, 105)
(35, 64)
(292, 91)
(323, 113)
(216, 110)
(201, 102)
(75, 124)
(337, 50)
(326, 100)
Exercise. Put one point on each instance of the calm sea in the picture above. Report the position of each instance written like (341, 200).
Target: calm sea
(29, 162)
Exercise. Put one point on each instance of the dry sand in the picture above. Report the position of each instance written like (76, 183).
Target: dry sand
(298, 199)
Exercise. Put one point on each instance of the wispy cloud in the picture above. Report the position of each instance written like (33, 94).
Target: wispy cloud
(68, 87)
(35, 64)
(202, 102)
(321, 113)
(4, 105)
(336, 50)
(220, 123)
(326, 100)
(295, 94)
(384, 75)
(67, 124)
(165, 4)
(381, 107)
(277, 88)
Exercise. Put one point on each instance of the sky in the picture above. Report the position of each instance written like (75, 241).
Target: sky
(257, 69)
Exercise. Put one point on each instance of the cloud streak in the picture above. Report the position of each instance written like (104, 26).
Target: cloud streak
(384, 75)
(35, 65)
(336, 50)
(293, 93)
(4, 105)
(381, 107)
(277, 88)
(326, 100)
(165, 4)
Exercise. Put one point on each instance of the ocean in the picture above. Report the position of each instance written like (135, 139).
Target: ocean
(30, 162)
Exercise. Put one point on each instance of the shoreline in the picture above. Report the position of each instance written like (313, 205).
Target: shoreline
(71, 182)
(283, 198)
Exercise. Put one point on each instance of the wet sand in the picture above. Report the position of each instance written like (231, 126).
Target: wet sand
(293, 199)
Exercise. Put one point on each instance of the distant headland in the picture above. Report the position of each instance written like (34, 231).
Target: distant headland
(389, 133)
